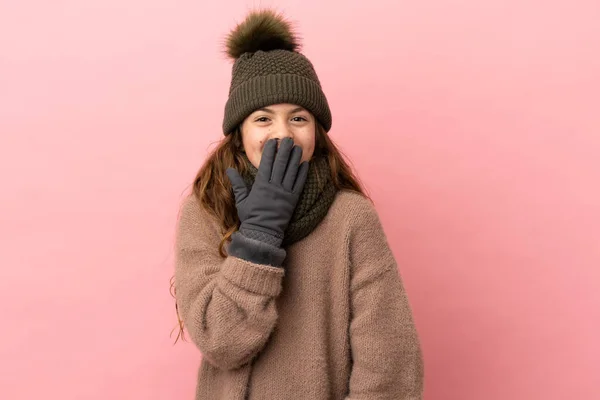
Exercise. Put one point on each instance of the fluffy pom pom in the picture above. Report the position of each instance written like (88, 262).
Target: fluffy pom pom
(261, 30)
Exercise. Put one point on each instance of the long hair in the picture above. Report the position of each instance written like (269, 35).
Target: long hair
(213, 189)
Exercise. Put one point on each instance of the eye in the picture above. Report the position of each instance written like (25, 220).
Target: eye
(299, 119)
(262, 119)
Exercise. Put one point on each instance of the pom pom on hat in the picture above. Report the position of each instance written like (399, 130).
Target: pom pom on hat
(261, 30)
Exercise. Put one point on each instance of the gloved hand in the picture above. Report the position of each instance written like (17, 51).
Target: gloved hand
(265, 210)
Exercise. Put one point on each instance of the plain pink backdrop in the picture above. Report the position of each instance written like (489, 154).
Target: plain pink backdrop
(474, 124)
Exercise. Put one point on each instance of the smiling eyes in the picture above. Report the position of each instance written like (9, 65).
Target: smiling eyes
(295, 119)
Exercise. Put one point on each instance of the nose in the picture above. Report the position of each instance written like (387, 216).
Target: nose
(281, 133)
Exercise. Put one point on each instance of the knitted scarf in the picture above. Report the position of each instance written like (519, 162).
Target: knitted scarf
(316, 198)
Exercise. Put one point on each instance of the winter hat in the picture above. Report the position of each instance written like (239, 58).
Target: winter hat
(269, 69)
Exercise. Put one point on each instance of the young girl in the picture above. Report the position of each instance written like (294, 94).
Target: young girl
(284, 278)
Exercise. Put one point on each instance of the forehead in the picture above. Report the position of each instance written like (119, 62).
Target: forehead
(281, 108)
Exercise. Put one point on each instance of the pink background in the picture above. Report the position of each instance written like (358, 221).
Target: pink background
(474, 124)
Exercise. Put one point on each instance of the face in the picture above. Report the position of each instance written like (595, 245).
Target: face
(278, 121)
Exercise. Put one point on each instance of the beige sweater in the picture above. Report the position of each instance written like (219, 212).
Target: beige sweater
(333, 324)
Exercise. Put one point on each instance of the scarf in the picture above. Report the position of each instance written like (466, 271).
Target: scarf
(316, 198)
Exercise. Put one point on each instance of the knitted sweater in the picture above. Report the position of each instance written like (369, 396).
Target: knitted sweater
(333, 323)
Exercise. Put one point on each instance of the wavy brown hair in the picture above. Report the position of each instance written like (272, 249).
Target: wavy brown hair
(213, 188)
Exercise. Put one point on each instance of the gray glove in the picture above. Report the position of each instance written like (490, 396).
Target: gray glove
(265, 210)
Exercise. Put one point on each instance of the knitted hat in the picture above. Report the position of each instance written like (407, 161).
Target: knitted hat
(268, 69)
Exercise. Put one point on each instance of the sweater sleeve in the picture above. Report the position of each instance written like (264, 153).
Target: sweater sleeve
(385, 347)
(227, 304)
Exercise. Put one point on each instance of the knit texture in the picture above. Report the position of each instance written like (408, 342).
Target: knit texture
(316, 198)
(334, 324)
(264, 78)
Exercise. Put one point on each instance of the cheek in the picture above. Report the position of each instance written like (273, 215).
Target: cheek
(307, 155)
(253, 142)
(308, 145)
(252, 146)
(258, 147)
(255, 152)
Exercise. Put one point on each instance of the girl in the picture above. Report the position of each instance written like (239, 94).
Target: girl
(284, 278)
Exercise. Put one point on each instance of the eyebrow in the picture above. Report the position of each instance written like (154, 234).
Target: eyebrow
(269, 111)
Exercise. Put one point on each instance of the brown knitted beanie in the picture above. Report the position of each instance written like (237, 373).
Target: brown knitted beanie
(268, 69)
